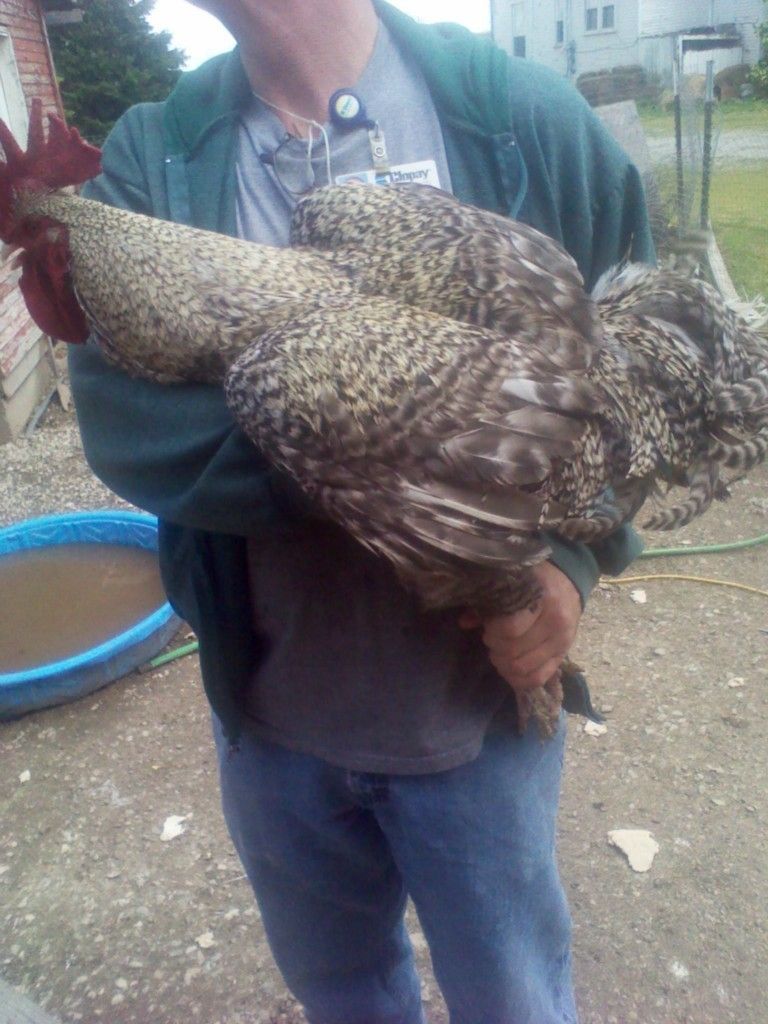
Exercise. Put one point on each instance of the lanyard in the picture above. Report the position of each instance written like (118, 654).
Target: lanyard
(346, 111)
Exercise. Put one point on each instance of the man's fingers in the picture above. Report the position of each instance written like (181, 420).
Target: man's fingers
(527, 648)
(531, 669)
(533, 680)
(503, 629)
(539, 664)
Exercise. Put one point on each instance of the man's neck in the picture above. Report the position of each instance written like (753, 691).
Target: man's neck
(296, 53)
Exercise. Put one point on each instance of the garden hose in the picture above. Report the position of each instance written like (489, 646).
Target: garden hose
(705, 549)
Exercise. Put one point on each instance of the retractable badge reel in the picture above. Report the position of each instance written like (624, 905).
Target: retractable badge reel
(347, 112)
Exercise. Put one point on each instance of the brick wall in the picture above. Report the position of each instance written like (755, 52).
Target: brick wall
(24, 369)
(23, 19)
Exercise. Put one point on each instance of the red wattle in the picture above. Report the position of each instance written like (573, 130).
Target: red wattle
(47, 290)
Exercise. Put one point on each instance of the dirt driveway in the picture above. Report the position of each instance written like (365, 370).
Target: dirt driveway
(102, 921)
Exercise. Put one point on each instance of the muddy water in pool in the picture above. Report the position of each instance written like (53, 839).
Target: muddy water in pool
(59, 601)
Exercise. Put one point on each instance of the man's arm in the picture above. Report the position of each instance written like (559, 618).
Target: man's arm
(173, 450)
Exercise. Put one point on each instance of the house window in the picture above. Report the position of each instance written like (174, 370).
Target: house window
(559, 32)
(517, 29)
(13, 109)
(5, 114)
(602, 18)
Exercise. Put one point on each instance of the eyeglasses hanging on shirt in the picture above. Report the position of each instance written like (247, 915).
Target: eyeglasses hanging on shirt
(291, 162)
(292, 165)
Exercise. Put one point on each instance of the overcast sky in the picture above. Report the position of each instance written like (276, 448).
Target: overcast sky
(201, 36)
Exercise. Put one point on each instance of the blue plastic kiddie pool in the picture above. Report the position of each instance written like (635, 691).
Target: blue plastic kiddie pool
(60, 681)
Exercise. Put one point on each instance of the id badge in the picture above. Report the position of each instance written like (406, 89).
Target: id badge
(423, 172)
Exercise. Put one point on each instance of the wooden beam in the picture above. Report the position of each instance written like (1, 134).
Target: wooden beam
(54, 18)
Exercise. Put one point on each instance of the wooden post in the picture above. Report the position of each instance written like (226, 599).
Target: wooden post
(677, 74)
(706, 164)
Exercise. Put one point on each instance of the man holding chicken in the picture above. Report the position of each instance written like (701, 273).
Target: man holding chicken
(369, 750)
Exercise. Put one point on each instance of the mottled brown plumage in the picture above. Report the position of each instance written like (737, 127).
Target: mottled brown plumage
(435, 376)
(448, 431)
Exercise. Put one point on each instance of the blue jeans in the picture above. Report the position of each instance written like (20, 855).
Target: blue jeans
(331, 855)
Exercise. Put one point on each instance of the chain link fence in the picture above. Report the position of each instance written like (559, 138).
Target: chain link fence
(708, 167)
(702, 146)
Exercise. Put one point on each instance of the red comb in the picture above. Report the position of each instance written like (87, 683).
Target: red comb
(64, 159)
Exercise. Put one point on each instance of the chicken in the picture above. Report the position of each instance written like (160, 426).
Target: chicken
(434, 376)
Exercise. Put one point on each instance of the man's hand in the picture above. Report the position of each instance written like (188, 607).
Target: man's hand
(527, 648)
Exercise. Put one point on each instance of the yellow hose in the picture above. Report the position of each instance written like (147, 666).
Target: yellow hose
(689, 579)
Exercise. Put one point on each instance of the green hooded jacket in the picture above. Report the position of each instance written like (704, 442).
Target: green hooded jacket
(519, 141)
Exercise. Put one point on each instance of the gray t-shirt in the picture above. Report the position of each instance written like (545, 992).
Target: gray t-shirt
(354, 672)
(394, 95)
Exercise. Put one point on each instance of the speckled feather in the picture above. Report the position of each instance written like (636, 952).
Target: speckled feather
(416, 363)
(435, 376)
(173, 303)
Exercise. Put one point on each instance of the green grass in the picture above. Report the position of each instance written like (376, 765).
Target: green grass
(739, 196)
(730, 115)
(739, 214)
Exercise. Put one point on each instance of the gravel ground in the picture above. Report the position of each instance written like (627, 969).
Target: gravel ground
(47, 473)
(103, 921)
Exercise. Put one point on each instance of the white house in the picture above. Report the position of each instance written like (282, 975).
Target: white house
(578, 36)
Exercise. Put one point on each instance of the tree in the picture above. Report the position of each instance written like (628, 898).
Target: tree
(759, 74)
(109, 61)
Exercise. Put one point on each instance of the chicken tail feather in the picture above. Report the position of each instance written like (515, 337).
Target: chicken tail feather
(703, 489)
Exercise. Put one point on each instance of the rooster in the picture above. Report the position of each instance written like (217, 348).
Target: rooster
(434, 376)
